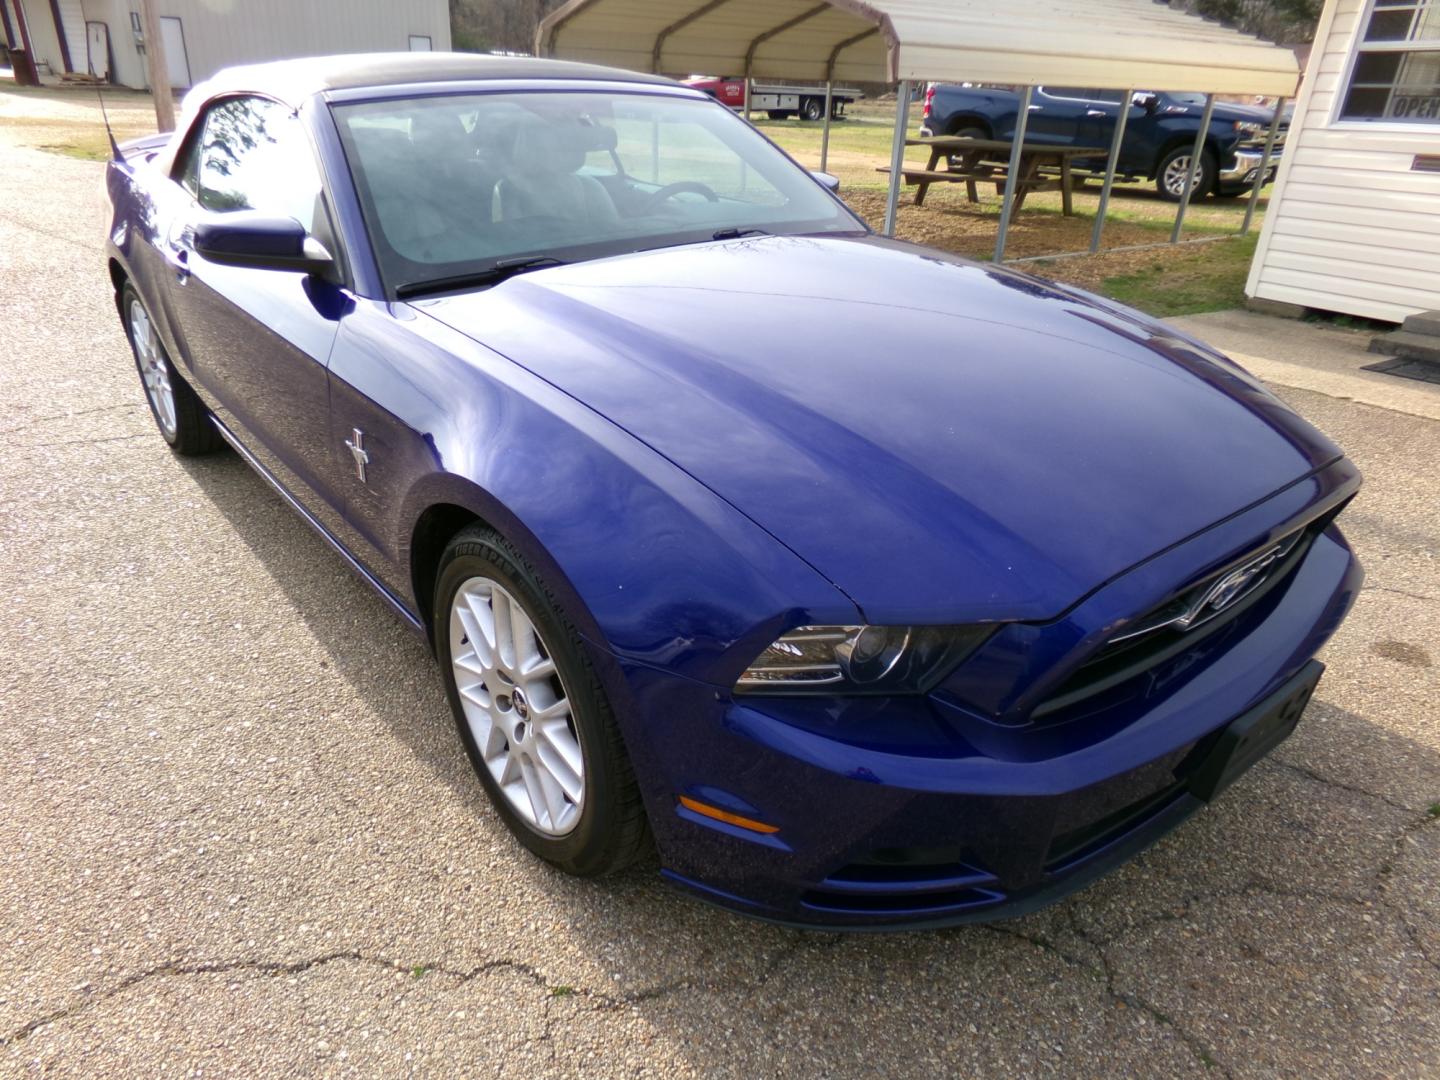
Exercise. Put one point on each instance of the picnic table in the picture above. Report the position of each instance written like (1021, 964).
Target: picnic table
(974, 161)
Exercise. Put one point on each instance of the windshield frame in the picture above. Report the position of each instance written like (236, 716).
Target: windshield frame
(851, 223)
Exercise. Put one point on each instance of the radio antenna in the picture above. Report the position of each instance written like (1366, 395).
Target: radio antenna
(115, 154)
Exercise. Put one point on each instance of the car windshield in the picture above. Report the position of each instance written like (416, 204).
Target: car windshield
(460, 185)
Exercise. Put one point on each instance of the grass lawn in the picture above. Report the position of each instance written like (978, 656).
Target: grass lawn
(1210, 278)
(67, 120)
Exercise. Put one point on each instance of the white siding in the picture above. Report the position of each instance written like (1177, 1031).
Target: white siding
(220, 35)
(1351, 227)
(127, 65)
(44, 42)
(279, 29)
(73, 25)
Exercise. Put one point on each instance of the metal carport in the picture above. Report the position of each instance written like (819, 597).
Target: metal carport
(1111, 43)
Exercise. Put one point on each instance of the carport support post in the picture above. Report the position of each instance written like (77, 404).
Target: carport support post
(749, 93)
(1126, 103)
(1264, 168)
(825, 133)
(897, 155)
(1196, 158)
(1022, 121)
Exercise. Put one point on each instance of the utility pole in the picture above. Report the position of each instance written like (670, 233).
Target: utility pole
(155, 65)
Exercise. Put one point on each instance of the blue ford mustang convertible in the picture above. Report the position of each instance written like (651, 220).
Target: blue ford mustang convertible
(866, 585)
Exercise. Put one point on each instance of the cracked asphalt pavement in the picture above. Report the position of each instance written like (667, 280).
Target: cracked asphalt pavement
(239, 837)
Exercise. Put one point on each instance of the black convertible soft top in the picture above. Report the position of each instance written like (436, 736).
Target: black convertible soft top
(299, 78)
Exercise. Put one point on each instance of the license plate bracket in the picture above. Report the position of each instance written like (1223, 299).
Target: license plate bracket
(1251, 736)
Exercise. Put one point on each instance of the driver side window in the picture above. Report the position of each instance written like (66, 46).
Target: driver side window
(253, 154)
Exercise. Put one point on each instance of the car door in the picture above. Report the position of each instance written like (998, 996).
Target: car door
(257, 342)
(1056, 113)
(1098, 122)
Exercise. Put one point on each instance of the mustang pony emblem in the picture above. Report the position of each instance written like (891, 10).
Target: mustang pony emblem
(356, 446)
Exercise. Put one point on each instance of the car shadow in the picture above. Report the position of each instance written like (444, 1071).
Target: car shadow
(1151, 948)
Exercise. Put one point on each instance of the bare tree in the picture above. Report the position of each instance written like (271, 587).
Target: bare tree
(497, 25)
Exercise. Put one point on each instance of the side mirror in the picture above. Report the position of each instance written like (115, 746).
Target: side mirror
(830, 182)
(261, 241)
(1145, 101)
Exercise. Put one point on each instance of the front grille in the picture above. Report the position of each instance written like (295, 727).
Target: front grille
(1069, 849)
(905, 881)
(1162, 633)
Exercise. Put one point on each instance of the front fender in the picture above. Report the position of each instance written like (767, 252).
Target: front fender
(648, 563)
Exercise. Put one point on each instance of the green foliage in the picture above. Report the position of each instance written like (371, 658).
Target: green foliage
(470, 41)
(497, 25)
(1278, 20)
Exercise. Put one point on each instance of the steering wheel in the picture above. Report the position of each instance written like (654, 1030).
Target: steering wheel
(680, 187)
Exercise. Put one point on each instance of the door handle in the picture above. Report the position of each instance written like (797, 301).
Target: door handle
(1101, 113)
(1036, 108)
(179, 260)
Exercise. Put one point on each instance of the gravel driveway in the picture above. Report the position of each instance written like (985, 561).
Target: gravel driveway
(238, 835)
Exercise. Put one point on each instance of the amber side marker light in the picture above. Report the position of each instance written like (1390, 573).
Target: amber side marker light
(727, 817)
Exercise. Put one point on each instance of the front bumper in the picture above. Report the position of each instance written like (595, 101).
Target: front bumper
(876, 835)
(885, 895)
(1245, 168)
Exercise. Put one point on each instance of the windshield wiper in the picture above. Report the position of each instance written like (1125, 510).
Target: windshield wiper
(503, 269)
(736, 234)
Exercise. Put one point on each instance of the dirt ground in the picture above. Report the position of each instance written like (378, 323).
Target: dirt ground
(1212, 273)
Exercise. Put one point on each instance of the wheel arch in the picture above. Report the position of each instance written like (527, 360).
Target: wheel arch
(118, 278)
(1178, 141)
(443, 506)
(432, 532)
(964, 120)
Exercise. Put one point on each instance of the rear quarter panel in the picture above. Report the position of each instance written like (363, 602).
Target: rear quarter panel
(144, 201)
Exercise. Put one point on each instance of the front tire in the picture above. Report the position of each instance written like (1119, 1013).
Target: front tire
(1170, 176)
(531, 712)
(182, 418)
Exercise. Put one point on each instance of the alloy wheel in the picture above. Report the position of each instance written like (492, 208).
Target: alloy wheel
(516, 706)
(1175, 173)
(154, 370)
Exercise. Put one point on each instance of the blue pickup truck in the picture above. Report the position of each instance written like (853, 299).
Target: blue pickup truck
(1159, 134)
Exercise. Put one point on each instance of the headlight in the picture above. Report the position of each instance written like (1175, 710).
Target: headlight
(1249, 127)
(860, 659)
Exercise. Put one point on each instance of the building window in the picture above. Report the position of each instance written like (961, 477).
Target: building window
(1396, 77)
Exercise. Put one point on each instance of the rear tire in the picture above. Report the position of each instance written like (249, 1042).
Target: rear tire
(181, 416)
(970, 131)
(532, 715)
(812, 109)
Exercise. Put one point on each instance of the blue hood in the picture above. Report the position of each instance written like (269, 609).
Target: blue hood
(946, 442)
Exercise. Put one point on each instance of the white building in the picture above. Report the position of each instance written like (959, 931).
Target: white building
(1354, 219)
(104, 37)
